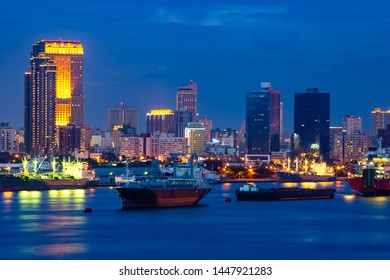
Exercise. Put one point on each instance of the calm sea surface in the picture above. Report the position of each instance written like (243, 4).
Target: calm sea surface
(52, 225)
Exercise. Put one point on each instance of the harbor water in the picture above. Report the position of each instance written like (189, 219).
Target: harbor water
(53, 225)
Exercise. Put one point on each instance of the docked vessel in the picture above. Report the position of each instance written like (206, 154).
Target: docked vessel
(253, 192)
(285, 176)
(182, 189)
(73, 174)
(372, 177)
(307, 172)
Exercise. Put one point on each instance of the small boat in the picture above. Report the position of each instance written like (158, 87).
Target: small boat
(255, 193)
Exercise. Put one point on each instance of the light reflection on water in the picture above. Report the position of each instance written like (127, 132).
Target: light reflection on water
(346, 227)
(56, 250)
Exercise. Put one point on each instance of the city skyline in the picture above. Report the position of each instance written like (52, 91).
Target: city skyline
(138, 55)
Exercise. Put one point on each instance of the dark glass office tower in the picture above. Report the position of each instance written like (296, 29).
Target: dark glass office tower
(263, 121)
(311, 122)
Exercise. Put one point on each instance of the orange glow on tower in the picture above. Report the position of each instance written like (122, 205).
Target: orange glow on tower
(68, 57)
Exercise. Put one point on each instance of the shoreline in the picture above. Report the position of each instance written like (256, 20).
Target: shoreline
(272, 180)
(48, 188)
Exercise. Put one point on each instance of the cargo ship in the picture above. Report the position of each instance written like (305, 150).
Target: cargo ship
(252, 192)
(285, 177)
(182, 189)
(372, 177)
(306, 172)
(74, 174)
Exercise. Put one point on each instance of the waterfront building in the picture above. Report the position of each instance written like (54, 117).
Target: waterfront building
(171, 145)
(195, 134)
(379, 120)
(7, 133)
(208, 125)
(162, 120)
(152, 146)
(352, 124)
(356, 145)
(336, 142)
(281, 123)
(131, 146)
(122, 116)
(311, 123)
(19, 140)
(384, 135)
(186, 99)
(53, 92)
(85, 141)
(69, 139)
(40, 104)
(183, 118)
(263, 121)
(67, 55)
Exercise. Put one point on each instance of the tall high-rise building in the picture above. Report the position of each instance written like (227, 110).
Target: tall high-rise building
(162, 121)
(311, 122)
(68, 58)
(263, 121)
(186, 98)
(122, 116)
(40, 104)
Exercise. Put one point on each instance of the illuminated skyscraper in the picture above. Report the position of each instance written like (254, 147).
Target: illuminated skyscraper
(40, 104)
(68, 57)
(186, 98)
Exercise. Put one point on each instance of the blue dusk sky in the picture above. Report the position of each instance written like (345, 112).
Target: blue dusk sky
(140, 52)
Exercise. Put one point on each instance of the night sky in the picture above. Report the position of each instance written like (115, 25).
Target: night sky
(140, 53)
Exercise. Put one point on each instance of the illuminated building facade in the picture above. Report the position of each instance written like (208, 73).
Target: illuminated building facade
(379, 120)
(196, 134)
(131, 147)
(336, 142)
(67, 55)
(311, 122)
(6, 138)
(69, 139)
(40, 104)
(122, 116)
(162, 121)
(171, 145)
(208, 125)
(186, 98)
(352, 124)
(263, 121)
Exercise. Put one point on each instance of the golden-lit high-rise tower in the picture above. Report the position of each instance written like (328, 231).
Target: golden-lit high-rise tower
(68, 57)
